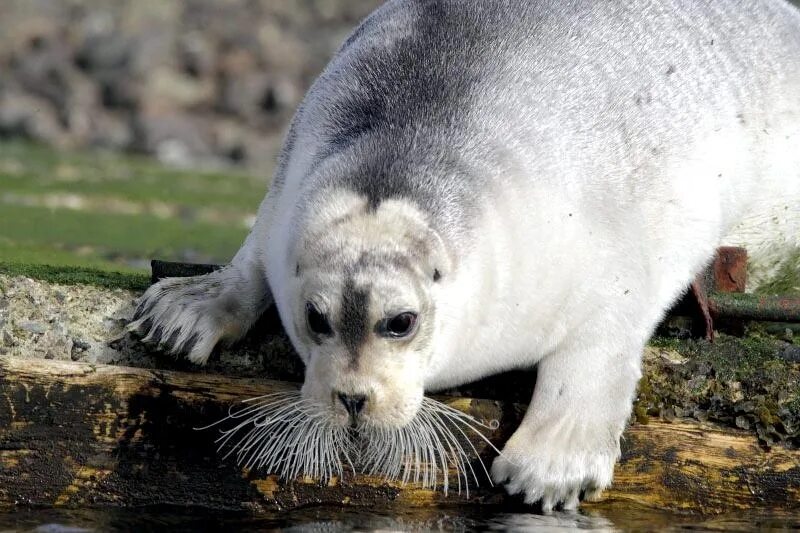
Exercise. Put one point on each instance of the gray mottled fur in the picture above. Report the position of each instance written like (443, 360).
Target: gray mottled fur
(396, 92)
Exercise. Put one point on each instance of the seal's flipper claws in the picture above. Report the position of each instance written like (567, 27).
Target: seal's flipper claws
(189, 316)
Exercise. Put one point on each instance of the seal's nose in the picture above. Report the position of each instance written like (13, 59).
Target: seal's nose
(354, 403)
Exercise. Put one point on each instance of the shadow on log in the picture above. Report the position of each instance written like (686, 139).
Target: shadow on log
(82, 435)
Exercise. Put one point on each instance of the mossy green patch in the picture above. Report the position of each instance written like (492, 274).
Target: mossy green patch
(32, 169)
(112, 212)
(106, 235)
(77, 275)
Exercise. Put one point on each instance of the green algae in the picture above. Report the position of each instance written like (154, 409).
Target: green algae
(750, 382)
(78, 275)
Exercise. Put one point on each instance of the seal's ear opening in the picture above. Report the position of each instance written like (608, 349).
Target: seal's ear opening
(440, 261)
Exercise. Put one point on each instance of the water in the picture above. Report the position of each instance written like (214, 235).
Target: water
(330, 520)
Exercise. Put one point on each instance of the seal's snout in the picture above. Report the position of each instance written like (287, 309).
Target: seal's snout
(353, 403)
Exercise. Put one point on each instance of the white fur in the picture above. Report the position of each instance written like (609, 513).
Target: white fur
(605, 195)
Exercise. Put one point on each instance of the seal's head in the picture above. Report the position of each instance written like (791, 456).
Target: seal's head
(364, 307)
(359, 302)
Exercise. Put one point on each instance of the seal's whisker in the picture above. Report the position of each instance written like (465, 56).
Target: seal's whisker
(233, 413)
(463, 418)
(309, 459)
(291, 436)
(281, 452)
(414, 437)
(272, 452)
(458, 418)
(430, 456)
(285, 439)
(261, 423)
(264, 412)
(252, 449)
(404, 465)
(271, 419)
(456, 451)
(431, 452)
(461, 456)
(430, 449)
(293, 448)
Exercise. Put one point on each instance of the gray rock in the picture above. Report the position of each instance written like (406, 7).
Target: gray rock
(8, 339)
(167, 88)
(110, 130)
(32, 327)
(197, 56)
(43, 70)
(126, 74)
(119, 90)
(246, 95)
(175, 139)
(101, 54)
(78, 349)
(28, 117)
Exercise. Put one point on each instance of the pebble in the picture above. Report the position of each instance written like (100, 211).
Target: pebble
(32, 327)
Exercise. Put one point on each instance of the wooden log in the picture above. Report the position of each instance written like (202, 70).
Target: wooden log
(75, 434)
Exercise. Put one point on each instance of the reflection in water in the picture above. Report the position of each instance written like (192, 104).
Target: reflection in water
(327, 519)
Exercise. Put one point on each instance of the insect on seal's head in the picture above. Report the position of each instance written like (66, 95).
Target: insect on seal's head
(363, 308)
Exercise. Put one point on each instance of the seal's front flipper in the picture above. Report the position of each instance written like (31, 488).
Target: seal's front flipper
(189, 316)
(568, 442)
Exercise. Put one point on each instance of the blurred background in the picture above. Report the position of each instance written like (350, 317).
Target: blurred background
(134, 129)
(139, 129)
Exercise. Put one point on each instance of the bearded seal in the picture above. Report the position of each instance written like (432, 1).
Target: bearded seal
(474, 186)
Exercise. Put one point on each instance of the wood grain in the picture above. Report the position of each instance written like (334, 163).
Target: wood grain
(78, 435)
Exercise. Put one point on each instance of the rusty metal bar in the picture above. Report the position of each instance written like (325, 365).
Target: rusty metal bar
(729, 269)
(752, 307)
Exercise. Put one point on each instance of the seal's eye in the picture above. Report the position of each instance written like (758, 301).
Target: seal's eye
(317, 321)
(399, 326)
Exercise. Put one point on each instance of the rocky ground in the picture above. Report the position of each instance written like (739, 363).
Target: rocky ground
(194, 83)
(86, 323)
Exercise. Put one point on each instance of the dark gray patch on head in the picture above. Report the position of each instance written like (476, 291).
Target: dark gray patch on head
(396, 101)
(361, 116)
(353, 317)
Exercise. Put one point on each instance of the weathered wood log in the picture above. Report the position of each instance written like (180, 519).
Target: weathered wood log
(76, 434)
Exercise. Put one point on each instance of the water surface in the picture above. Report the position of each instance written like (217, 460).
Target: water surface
(328, 519)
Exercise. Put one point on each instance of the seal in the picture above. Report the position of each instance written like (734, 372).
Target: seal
(474, 186)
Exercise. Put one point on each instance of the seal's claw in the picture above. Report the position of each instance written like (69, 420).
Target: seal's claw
(189, 316)
(550, 473)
